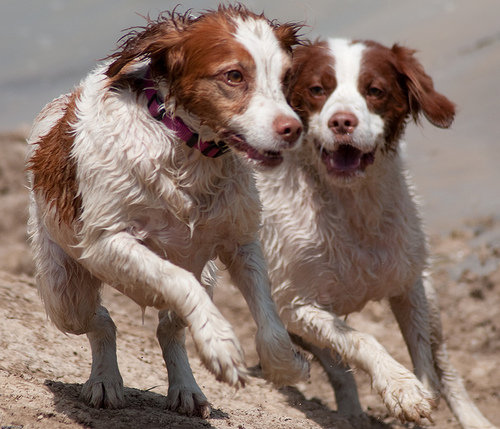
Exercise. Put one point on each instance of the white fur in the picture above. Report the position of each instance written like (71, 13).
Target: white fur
(347, 98)
(154, 213)
(269, 101)
(332, 248)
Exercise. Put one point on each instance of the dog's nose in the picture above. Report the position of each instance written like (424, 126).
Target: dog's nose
(288, 128)
(343, 123)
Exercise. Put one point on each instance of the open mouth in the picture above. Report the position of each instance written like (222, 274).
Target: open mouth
(267, 158)
(346, 160)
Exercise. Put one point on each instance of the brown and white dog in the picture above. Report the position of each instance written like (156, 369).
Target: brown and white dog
(341, 226)
(142, 176)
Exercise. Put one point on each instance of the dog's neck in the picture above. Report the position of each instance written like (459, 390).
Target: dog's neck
(156, 107)
(366, 203)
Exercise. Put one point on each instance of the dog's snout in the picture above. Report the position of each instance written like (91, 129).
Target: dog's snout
(288, 128)
(343, 123)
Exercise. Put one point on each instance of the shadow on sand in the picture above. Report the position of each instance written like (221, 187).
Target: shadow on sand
(143, 409)
(315, 410)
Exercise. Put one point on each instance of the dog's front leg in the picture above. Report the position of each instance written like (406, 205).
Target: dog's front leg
(281, 363)
(119, 259)
(403, 394)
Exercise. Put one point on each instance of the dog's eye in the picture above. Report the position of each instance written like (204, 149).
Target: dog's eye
(234, 77)
(373, 91)
(317, 91)
(286, 78)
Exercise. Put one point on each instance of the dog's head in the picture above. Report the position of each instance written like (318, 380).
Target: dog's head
(355, 99)
(225, 72)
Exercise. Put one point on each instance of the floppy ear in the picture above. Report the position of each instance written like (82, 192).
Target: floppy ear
(438, 110)
(156, 41)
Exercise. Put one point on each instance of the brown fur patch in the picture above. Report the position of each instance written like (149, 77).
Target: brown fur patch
(378, 70)
(438, 110)
(194, 55)
(208, 53)
(406, 90)
(54, 171)
(312, 67)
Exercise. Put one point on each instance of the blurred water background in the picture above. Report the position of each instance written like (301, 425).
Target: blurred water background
(46, 47)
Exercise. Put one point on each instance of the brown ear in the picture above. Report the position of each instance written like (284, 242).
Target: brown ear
(287, 35)
(438, 110)
(153, 41)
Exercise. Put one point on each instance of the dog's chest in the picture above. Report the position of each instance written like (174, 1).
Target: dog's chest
(347, 256)
(356, 270)
(202, 225)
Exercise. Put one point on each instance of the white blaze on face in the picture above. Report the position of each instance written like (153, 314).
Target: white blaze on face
(267, 99)
(347, 98)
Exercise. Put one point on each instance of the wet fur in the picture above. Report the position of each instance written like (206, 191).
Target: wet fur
(336, 240)
(117, 198)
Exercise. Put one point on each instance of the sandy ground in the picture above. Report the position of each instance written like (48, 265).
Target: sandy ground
(49, 48)
(42, 370)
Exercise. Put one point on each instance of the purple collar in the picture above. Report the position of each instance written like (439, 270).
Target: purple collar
(156, 108)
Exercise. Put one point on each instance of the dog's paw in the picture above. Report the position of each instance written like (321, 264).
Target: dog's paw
(281, 363)
(189, 401)
(290, 369)
(103, 392)
(224, 358)
(220, 351)
(408, 400)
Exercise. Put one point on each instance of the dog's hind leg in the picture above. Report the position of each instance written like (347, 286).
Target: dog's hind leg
(340, 377)
(452, 386)
(184, 395)
(104, 388)
(71, 296)
(412, 314)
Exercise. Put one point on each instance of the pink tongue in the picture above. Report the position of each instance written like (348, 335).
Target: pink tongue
(345, 158)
